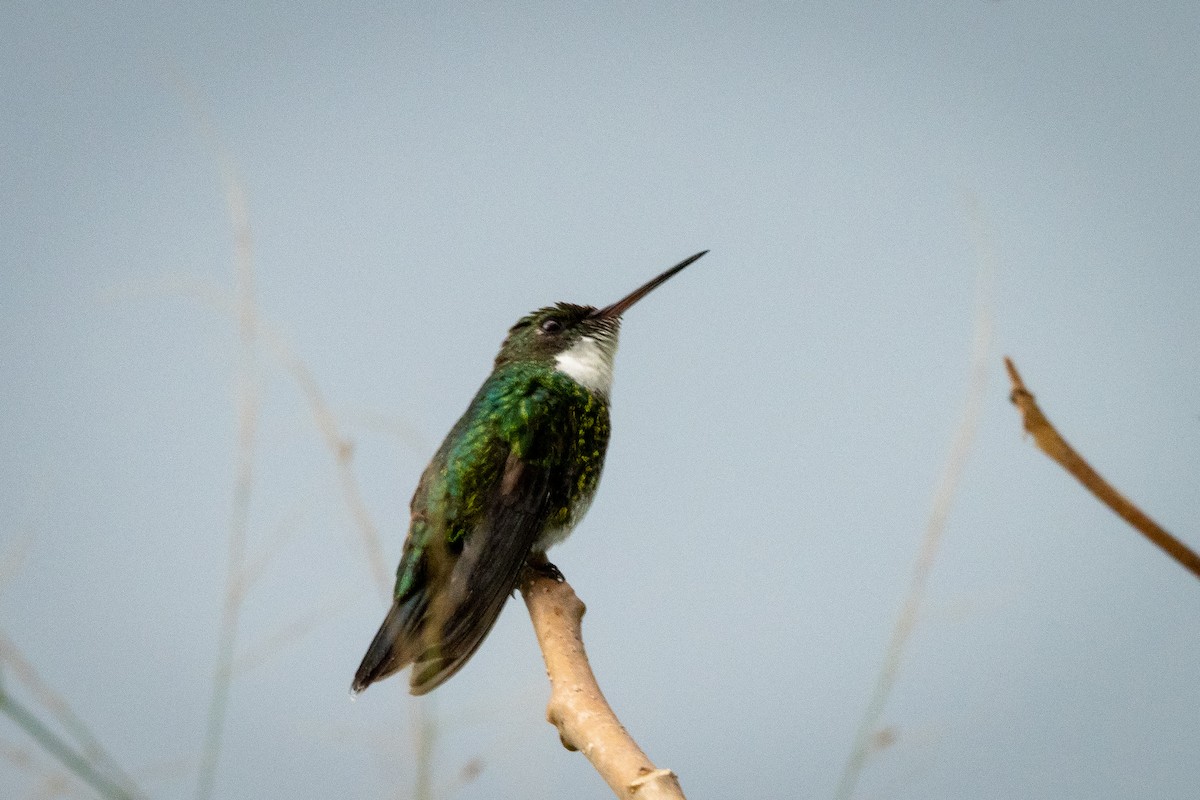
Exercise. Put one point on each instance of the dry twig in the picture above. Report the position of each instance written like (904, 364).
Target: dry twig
(906, 621)
(248, 407)
(340, 447)
(342, 451)
(577, 707)
(1050, 442)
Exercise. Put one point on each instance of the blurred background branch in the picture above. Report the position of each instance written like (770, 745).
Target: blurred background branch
(868, 731)
(87, 759)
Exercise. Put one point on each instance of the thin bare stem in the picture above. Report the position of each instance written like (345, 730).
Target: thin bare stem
(424, 741)
(339, 446)
(255, 568)
(577, 707)
(57, 747)
(20, 668)
(934, 528)
(13, 558)
(290, 633)
(1050, 442)
(248, 415)
(342, 451)
(250, 331)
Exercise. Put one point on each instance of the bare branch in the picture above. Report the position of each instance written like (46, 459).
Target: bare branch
(577, 707)
(1052, 444)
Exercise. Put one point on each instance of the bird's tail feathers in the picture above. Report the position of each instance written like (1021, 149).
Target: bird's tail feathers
(395, 646)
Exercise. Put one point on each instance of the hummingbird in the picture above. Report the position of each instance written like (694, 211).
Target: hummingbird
(514, 476)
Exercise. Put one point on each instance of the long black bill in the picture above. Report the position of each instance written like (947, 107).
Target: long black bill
(621, 306)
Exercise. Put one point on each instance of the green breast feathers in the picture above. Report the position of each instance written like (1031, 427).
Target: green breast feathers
(543, 419)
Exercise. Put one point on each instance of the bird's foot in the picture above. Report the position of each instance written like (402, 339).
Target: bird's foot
(542, 566)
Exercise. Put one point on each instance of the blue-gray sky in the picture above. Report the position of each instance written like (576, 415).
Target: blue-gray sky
(417, 179)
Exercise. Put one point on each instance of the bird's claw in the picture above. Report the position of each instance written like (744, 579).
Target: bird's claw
(543, 567)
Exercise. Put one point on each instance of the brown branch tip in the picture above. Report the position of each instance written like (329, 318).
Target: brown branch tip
(1050, 442)
(577, 707)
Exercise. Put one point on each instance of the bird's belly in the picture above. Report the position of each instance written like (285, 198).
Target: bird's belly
(553, 535)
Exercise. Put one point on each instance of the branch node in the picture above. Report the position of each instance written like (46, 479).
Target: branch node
(666, 776)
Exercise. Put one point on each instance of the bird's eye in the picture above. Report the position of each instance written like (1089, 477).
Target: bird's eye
(551, 326)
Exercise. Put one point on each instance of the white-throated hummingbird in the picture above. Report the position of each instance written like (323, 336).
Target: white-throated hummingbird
(515, 474)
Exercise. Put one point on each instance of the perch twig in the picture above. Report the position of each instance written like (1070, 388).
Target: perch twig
(577, 707)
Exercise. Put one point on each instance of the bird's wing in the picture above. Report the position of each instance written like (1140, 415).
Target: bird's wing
(483, 576)
(450, 589)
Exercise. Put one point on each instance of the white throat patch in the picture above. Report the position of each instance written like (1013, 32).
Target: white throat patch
(589, 363)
